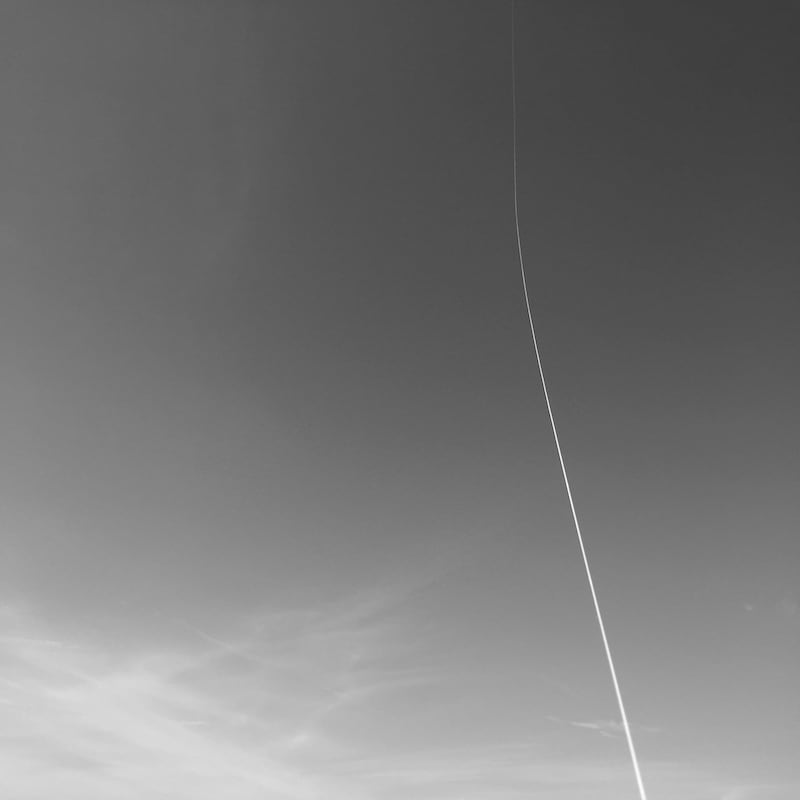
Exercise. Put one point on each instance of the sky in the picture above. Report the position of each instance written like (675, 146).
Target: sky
(281, 515)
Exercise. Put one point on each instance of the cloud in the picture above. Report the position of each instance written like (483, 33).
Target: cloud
(605, 727)
(263, 711)
(218, 716)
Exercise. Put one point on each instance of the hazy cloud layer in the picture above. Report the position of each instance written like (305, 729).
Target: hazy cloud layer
(264, 713)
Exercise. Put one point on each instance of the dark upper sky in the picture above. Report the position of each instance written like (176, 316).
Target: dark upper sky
(277, 472)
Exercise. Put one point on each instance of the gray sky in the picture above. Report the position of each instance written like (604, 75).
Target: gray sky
(281, 512)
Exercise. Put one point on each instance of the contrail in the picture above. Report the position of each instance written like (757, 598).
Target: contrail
(625, 725)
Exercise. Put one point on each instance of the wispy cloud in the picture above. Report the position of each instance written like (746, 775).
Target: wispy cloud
(262, 712)
(610, 728)
(217, 715)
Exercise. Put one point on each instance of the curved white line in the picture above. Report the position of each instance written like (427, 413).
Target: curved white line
(611, 667)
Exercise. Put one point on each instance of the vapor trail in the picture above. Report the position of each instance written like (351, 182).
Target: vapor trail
(625, 725)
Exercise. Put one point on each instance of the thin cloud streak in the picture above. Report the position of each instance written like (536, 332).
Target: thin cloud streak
(605, 727)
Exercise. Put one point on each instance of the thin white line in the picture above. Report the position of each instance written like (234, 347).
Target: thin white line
(611, 667)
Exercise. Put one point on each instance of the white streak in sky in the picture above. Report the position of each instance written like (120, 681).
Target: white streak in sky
(618, 692)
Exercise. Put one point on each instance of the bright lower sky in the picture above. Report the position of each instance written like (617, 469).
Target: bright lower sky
(281, 513)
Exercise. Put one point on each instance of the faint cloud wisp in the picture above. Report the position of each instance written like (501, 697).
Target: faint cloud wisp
(263, 713)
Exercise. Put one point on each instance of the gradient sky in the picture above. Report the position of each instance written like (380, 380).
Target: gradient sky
(281, 512)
